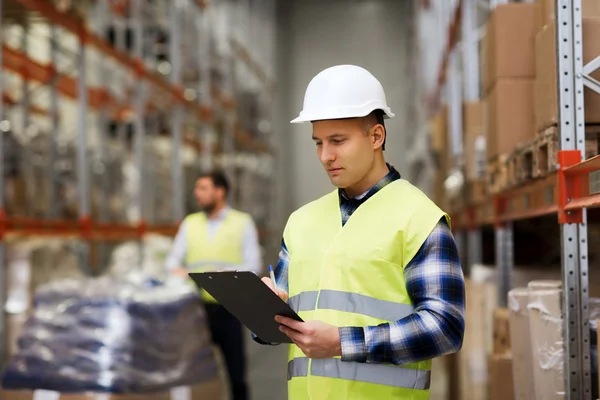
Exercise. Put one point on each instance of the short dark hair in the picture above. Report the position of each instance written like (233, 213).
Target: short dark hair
(218, 178)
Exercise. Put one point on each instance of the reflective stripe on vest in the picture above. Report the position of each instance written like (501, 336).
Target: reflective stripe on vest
(351, 302)
(381, 374)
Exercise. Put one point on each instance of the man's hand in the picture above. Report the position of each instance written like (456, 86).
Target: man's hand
(281, 293)
(316, 339)
(180, 272)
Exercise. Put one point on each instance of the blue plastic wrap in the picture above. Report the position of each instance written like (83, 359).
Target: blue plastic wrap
(108, 335)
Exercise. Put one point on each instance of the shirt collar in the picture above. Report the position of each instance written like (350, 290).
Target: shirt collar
(389, 178)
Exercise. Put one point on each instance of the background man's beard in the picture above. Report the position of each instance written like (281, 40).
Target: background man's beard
(209, 208)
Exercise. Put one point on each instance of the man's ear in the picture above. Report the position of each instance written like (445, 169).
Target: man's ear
(378, 136)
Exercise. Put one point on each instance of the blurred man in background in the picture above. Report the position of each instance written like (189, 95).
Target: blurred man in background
(372, 267)
(218, 238)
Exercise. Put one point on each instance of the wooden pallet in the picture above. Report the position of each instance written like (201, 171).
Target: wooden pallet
(512, 168)
(592, 140)
(477, 191)
(497, 174)
(526, 163)
(545, 151)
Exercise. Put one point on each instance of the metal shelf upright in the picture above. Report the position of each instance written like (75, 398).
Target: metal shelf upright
(567, 193)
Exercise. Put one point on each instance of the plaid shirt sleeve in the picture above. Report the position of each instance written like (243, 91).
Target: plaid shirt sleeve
(436, 286)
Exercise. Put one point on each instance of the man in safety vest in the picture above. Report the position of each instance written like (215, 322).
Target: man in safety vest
(372, 267)
(218, 238)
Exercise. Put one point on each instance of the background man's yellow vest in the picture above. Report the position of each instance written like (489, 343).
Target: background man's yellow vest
(224, 249)
(354, 276)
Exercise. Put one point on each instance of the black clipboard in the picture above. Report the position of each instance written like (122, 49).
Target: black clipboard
(252, 302)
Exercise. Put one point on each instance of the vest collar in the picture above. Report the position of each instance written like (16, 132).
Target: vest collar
(220, 215)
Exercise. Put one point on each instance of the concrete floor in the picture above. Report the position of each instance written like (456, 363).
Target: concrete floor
(267, 370)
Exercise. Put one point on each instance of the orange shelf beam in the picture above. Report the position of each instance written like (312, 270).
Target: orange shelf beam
(19, 63)
(15, 226)
(584, 167)
(9, 100)
(75, 26)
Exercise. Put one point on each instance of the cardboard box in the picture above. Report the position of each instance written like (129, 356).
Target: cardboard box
(545, 326)
(473, 358)
(546, 90)
(509, 43)
(439, 138)
(501, 383)
(520, 337)
(589, 8)
(474, 140)
(438, 127)
(509, 116)
(213, 389)
(501, 331)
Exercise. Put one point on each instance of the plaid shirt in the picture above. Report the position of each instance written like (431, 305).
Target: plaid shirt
(435, 284)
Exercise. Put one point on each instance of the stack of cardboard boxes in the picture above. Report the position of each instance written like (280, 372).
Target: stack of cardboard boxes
(508, 83)
(518, 112)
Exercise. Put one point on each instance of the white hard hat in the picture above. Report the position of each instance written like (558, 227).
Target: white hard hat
(343, 91)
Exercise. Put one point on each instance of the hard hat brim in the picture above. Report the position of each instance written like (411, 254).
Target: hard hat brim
(303, 117)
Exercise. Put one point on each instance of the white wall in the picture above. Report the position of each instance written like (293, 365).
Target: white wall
(315, 34)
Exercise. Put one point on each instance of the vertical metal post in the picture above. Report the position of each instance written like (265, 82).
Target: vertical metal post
(470, 50)
(2, 216)
(101, 18)
(455, 107)
(54, 113)
(82, 160)
(228, 89)
(474, 251)
(176, 126)
(140, 112)
(139, 132)
(25, 104)
(204, 84)
(120, 26)
(569, 59)
(504, 260)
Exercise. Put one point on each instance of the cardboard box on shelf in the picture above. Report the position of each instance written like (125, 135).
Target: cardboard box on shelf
(501, 331)
(546, 91)
(589, 8)
(509, 116)
(474, 140)
(213, 389)
(508, 48)
(545, 326)
(440, 148)
(501, 379)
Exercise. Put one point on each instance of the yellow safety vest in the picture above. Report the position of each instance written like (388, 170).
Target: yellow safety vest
(354, 276)
(206, 253)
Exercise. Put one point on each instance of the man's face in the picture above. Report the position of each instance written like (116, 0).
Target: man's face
(207, 195)
(344, 149)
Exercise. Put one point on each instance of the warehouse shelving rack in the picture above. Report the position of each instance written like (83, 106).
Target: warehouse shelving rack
(200, 106)
(567, 193)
